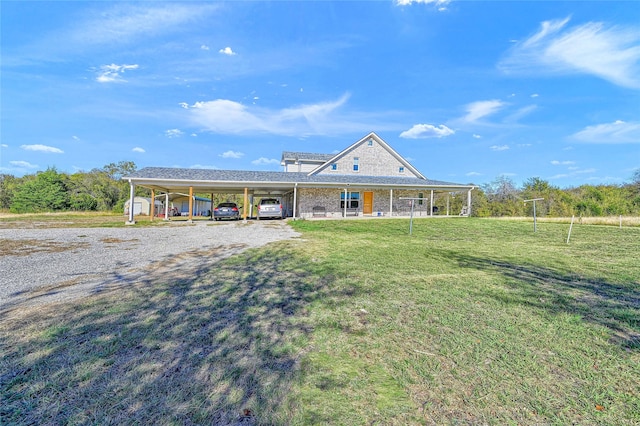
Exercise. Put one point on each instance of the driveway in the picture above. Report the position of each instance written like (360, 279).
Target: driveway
(48, 265)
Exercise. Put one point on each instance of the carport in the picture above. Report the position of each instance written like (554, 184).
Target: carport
(285, 185)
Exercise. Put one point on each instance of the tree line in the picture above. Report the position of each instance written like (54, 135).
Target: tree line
(103, 190)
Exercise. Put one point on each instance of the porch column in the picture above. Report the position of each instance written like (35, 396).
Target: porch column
(131, 205)
(448, 195)
(344, 214)
(190, 204)
(295, 199)
(469, 203)
(166, 206)
(246, 201)
(431, 204)
(153, 204)
(391, 202)
(212, 207)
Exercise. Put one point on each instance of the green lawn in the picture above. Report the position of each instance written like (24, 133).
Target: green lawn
(467, 321)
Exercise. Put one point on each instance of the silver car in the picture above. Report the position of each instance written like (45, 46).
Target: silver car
(269, 207)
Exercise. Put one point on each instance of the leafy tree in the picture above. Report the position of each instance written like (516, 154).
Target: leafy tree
(8, 187)
(47, 191)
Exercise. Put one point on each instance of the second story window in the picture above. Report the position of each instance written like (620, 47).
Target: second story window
(356, 166)
(334, 166)
(370, 142)
(401, 169)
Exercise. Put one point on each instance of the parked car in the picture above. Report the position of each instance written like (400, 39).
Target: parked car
(269, 207)
(226, 211)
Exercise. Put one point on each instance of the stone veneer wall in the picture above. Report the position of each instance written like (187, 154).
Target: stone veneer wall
(329, 198)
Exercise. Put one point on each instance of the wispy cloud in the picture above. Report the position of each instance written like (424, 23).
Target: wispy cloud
(562, 163)
(23, 164)
(42, 148)
(227, 51)
(424, 131)
(263, 161)
(232, 154)
(610, 133)
(480, 109)
(126, 23)
(173, 133)
(609, 52)
(113, 73)
(440, 4)
(323, 118)
(138, 149)
(499, 147)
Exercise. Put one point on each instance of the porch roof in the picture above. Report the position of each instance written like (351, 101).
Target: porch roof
(168, 179)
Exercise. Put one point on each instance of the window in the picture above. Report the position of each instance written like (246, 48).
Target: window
(420, 196)
(401, 169)
(353, 200)
(334, 166)
(370, 142)
(356, 166)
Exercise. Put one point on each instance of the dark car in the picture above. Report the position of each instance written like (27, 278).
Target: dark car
(226, 211)
(269, 207)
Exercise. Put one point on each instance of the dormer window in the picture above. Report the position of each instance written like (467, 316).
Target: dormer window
(334, 166)
(356, 166)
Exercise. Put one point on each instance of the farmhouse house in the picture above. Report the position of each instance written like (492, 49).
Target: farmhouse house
(368, 178)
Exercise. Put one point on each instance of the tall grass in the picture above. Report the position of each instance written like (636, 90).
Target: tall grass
(467, 321)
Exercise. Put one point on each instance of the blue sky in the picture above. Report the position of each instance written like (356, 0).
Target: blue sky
(466, 90)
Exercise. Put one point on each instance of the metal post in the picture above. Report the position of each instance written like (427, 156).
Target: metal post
(535, 223)
(411, 219)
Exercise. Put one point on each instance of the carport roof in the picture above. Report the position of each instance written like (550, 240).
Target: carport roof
(170, 179)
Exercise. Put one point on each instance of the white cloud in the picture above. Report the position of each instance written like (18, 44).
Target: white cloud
(204, 47)
(479, 109)
(113, 73)
(262, 161)
(562, 163)
(610, 133)
(138, 149)
(499, 147)
(423, 131)
(227, 51)
(42, 148)
(535, 95)
(230, 117)
(4, 145)
(477, 136)
(173, 133)
(611, 53)
(440, 3)
(75, 138)
(232, 154)
(23, 164)
(184, 105)
(474, 174)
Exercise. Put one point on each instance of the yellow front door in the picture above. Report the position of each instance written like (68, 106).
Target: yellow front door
(367, 206)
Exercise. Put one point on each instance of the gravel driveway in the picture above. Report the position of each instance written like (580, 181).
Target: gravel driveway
(46, 265)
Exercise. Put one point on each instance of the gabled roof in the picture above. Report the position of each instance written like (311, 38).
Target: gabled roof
(305, 156)
(380, 142)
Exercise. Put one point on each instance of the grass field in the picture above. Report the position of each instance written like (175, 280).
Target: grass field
(467, 321)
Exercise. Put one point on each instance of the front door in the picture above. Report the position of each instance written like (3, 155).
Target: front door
(367, 206)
